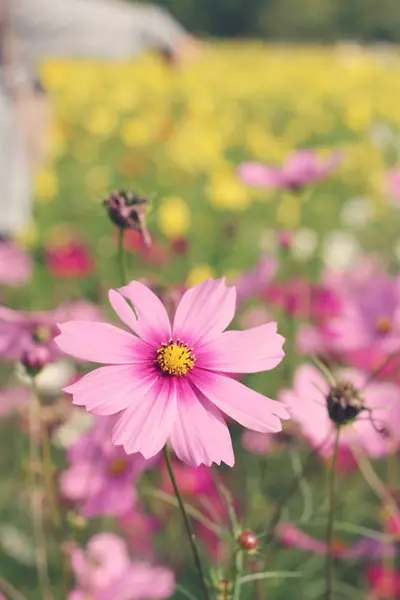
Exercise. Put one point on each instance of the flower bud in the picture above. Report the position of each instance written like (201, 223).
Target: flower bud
(248, 540)
(344, 402)
(35, 358)
(128, 211)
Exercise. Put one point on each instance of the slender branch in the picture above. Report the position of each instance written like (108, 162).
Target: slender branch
(121, 257)
(191, 510)
(190, 534)
(10, 590)
(270, 532)
(185, 592)
(36, 500)
(269, 575)
(331, 520)
(238, 575)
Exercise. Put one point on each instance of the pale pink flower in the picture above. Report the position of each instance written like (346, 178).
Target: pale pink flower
(302, 168)
(101, 476)
(15, 265)
(253, 282)
(21, 331)
(254, 441)
(139, 530)
(104, 571)
(170, 384)
(13, 398)
(376, 428)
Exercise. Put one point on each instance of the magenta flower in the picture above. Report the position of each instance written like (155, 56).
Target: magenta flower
(170, 384)
(101, 476)
(104, 571)
(15, 265)
(376, 428)
(301, 168)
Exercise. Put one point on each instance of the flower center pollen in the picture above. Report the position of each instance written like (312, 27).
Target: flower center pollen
(383, 325)
(175, 358)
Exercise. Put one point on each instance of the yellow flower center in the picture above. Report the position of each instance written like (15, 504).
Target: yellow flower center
(175, 358)
(117, 466)
(383, 325)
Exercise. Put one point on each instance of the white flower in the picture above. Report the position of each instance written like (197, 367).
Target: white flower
(356, 213)
(304, 244)
(341, 250)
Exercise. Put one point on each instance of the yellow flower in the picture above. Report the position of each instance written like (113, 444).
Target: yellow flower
(173, 217)
(198, 274)
(46, 185)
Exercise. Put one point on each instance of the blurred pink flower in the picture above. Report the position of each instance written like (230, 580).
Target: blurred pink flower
(253, 282)
(104, 571)
(292, 536)
(301, 298)
(302, 168)
(254, 441)
(369, 316)
(21, 331)
(15, 265)
(170, 384)
(68, 259)
(13, 398)
(384, 582)
(375, 432)
(101, 476)
(393, 184)
(139, 529)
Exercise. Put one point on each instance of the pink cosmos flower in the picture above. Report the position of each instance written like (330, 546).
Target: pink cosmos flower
(70, 259)
(101, 476)
(369, 316)
(301, 168)
(12, 398)
(104, 571)
(15, 265)
(170, 384)
(302, 298)
(21, 331)
(254, 441)
(375, 432)
(253, 282)
(139, 529)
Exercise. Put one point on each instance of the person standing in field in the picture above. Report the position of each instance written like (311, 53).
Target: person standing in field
(33, 30)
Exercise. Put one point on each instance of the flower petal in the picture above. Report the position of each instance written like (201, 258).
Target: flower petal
(200, 434)
(249, 408)
(152, 324)
(108, 390)
(250, 351)
(99, 342)
(204, 311)
(146, 425)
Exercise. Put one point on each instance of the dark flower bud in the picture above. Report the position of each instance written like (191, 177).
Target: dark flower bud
(344, 402)
(248, 540)
(128, 211)
(35, 359)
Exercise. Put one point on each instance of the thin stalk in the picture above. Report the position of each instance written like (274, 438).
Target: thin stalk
(190, 534)
(36, 500)
(331, 521)
(237, 587)
(121, 257)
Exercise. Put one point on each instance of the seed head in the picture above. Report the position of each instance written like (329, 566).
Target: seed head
(344, 402)
(128, 211)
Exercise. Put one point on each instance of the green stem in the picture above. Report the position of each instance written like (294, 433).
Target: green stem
(238, 575)
(190, 534)
(121, 257)
(331, 521)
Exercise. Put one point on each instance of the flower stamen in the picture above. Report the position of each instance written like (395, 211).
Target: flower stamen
(383, 325)
(175, 358)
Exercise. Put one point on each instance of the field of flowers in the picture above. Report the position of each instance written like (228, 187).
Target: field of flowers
(275, 167)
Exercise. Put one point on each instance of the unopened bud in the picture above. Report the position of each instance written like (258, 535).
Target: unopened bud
(128, 211)
(35, 359)
(248, 540)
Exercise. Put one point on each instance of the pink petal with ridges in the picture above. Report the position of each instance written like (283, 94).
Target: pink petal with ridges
(249, 408)
(250, 351)
(146, 425)
(204, 311)
(108, 390)
(99, 342)
(153, 323)
(200, 434)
